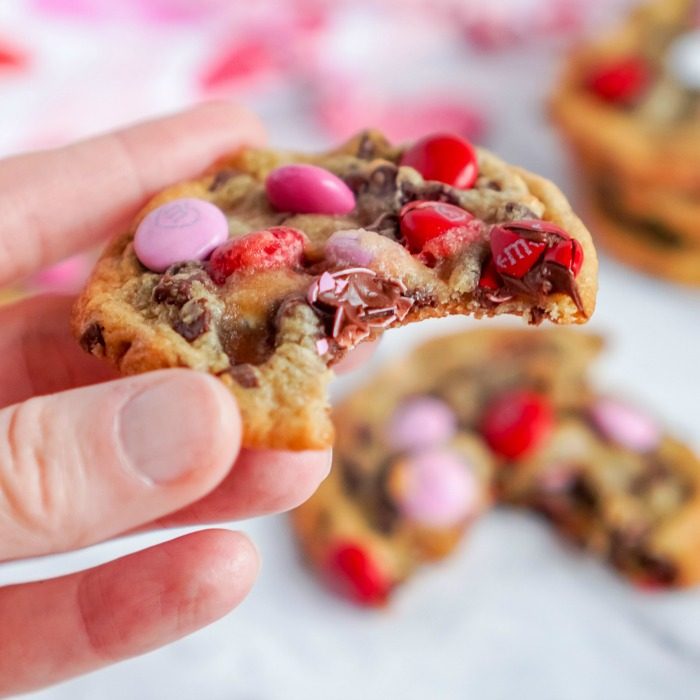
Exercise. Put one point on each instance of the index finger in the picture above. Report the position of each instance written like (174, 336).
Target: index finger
(57, 202)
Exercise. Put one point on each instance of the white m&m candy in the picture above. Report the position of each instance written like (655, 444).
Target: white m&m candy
(684, 60)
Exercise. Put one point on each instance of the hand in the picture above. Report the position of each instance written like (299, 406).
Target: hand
(83, 458)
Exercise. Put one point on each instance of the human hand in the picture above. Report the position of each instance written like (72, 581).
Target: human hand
(85, 457)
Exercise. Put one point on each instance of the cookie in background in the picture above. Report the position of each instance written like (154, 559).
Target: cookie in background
(483, 417)
(629, 107)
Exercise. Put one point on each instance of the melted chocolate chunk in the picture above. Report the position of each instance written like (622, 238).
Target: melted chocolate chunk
(546, 277)
(514, 211)
(92, 340)
(245, 375)
(194, 320)
(429, 192)
(354, 302)
(175, 286)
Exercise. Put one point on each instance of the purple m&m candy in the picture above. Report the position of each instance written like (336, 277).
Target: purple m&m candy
(308, 189)
(423, 421)
(625, 425)
(184, 229)
(434, 488)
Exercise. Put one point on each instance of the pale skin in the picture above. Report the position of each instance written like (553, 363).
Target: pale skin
(78, 460)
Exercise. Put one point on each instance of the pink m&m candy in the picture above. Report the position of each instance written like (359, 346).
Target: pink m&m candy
(434, 488)
(344, 248)
(423, 421)
(625, 425)
(308, 189)
(184, 229)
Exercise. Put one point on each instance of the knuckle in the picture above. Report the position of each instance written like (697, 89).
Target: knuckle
(35, 501)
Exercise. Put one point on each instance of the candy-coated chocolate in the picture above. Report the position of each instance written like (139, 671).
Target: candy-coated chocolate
(446, 158)
(434, 488)
(684, 59)
(422, 221)
(513, 254)
(308, 189)
(568, 254)
(622, 82)
(517, 422)
(453, 242)
(626, 425)
(180, 230)
(353, 572)
(344, 248)
(270, 249)
(419, 422)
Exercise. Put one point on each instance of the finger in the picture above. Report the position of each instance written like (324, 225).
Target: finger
(40, 356)
(57, 202)
(63, 627)
(356, 358)
(83, 465)
(261, 482)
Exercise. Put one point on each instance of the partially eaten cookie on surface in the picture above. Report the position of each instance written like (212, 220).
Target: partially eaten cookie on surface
(498, 416)
(266, 271)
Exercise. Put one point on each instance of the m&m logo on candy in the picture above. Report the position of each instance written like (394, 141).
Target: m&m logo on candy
(178, 231)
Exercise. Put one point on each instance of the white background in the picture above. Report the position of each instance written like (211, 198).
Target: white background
(515, 613)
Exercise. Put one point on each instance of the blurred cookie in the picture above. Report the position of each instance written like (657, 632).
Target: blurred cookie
(497, 416)
(629, 106)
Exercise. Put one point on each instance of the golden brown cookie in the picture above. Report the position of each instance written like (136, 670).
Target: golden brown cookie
(629, 107)
(266, 271)
(494, 416)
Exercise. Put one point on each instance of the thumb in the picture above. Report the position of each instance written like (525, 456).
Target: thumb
(84, 465)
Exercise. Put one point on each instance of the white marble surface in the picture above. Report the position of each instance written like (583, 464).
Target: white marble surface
(515, 613)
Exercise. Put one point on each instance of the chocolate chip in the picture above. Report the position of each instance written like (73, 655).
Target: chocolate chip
(194, 320)
(245, 375)
(221, 178)
(514, 211)
(429, 192)
(92, 340)
(175, 286)
(537, 314)
(352, 477)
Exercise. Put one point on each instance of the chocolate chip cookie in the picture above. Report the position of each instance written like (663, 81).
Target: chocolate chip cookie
(498, 416)
(266, 271)
(629, 106)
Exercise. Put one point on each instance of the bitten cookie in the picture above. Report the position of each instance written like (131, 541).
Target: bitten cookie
(268, 270)
(497, 416)
(629, 105)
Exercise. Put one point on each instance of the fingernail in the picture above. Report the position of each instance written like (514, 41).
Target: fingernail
(164, 427)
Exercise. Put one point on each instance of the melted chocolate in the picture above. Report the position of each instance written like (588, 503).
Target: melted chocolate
(244, 375)
(92, 340)
(194, 320)
(354, 302)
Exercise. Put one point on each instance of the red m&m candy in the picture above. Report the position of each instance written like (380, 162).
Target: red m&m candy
(513, 254)
(273, 248)
(353, 573)
(517, 422)
(622, 82)
(422, 221)
(444, 157)
(568, 254)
